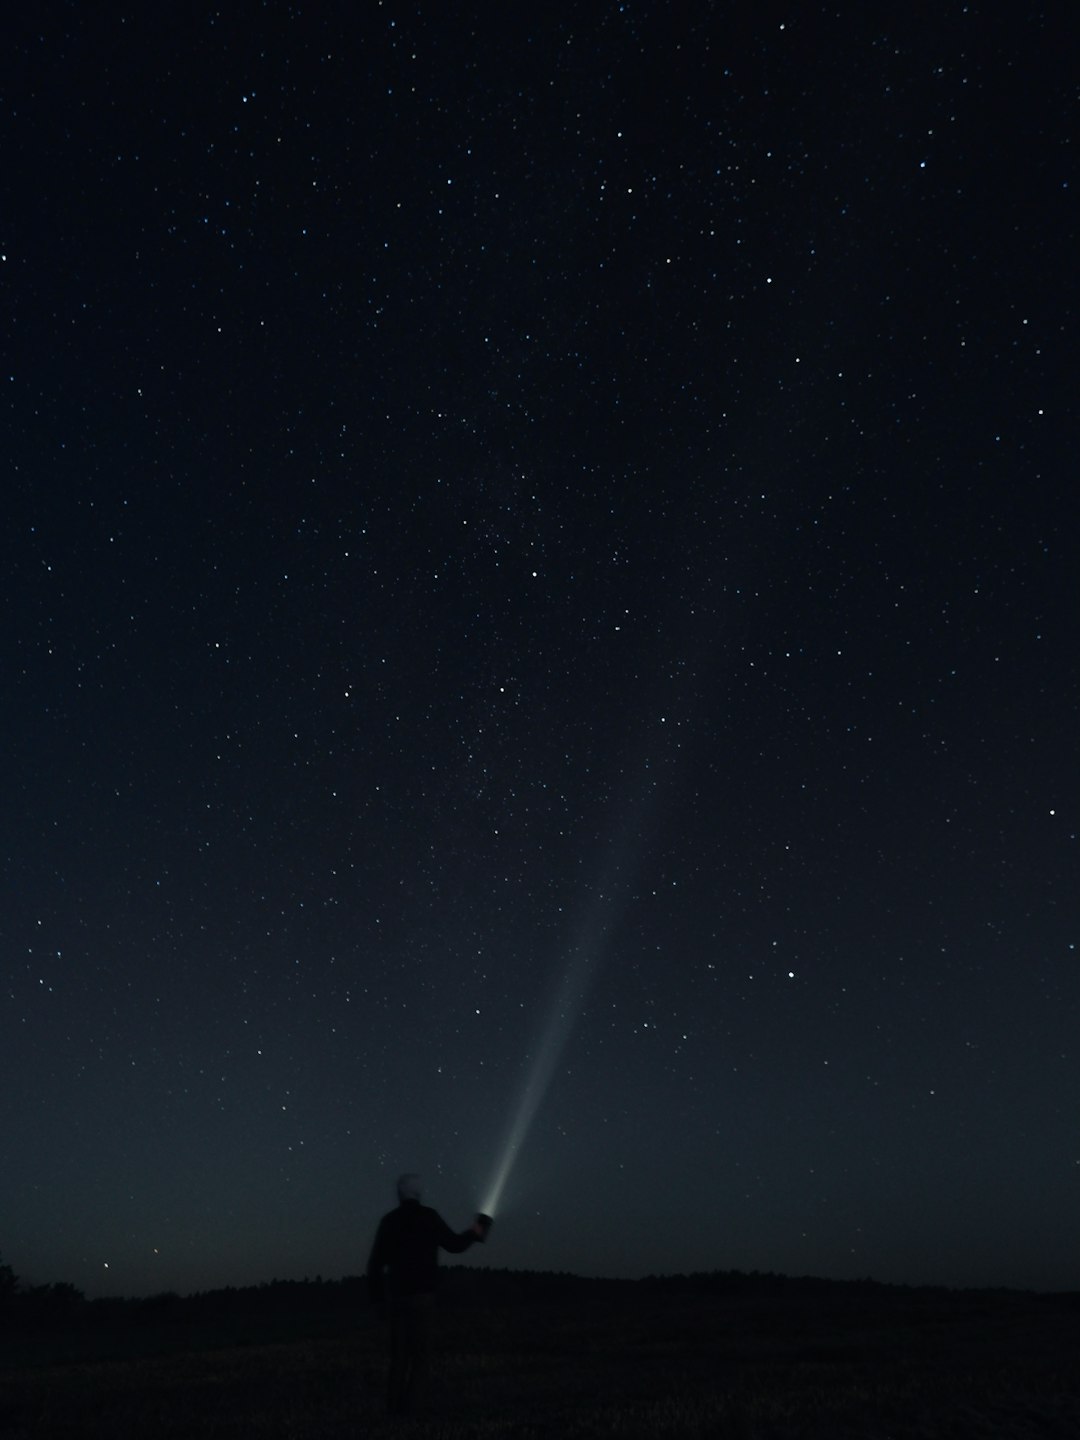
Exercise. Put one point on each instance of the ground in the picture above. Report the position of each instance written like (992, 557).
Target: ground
(891, 1365)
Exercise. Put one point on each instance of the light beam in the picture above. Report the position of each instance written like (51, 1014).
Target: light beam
(586, 955)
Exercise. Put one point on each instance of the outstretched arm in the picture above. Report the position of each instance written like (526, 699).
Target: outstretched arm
(456, 1243)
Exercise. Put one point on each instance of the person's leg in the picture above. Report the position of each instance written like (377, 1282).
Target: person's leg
(418, 1349)
(397, 1379)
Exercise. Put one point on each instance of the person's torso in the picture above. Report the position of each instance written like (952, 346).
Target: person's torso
(412, 1249)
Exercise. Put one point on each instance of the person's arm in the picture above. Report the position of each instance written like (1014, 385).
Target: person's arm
(456, 1243)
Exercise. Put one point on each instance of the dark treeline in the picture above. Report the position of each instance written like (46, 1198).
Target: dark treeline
(41, 1306)
(64, 1306)
(48, 1325)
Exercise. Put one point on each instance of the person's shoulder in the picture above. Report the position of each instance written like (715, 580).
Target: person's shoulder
(430, 1219)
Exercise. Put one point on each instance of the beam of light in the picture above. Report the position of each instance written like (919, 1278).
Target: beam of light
(586, 955)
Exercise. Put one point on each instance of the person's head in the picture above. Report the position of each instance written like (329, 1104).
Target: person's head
(408, 1188)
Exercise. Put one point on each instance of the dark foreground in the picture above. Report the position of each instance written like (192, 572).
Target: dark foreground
(623, 1362)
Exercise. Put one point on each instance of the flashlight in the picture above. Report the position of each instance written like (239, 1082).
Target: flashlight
(483, 1225)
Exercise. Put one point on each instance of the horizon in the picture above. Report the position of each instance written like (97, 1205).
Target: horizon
(530, 1254)
(455, 1264)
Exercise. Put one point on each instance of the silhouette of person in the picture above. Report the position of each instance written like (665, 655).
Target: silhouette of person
(403, 1271)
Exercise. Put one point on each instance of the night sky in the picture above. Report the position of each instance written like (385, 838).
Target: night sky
(539, 540)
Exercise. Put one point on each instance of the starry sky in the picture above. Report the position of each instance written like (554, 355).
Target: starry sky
(538, 559)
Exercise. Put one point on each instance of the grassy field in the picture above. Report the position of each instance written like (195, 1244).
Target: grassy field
(635, 1365)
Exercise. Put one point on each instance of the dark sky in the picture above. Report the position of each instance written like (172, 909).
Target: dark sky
(539, 539)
